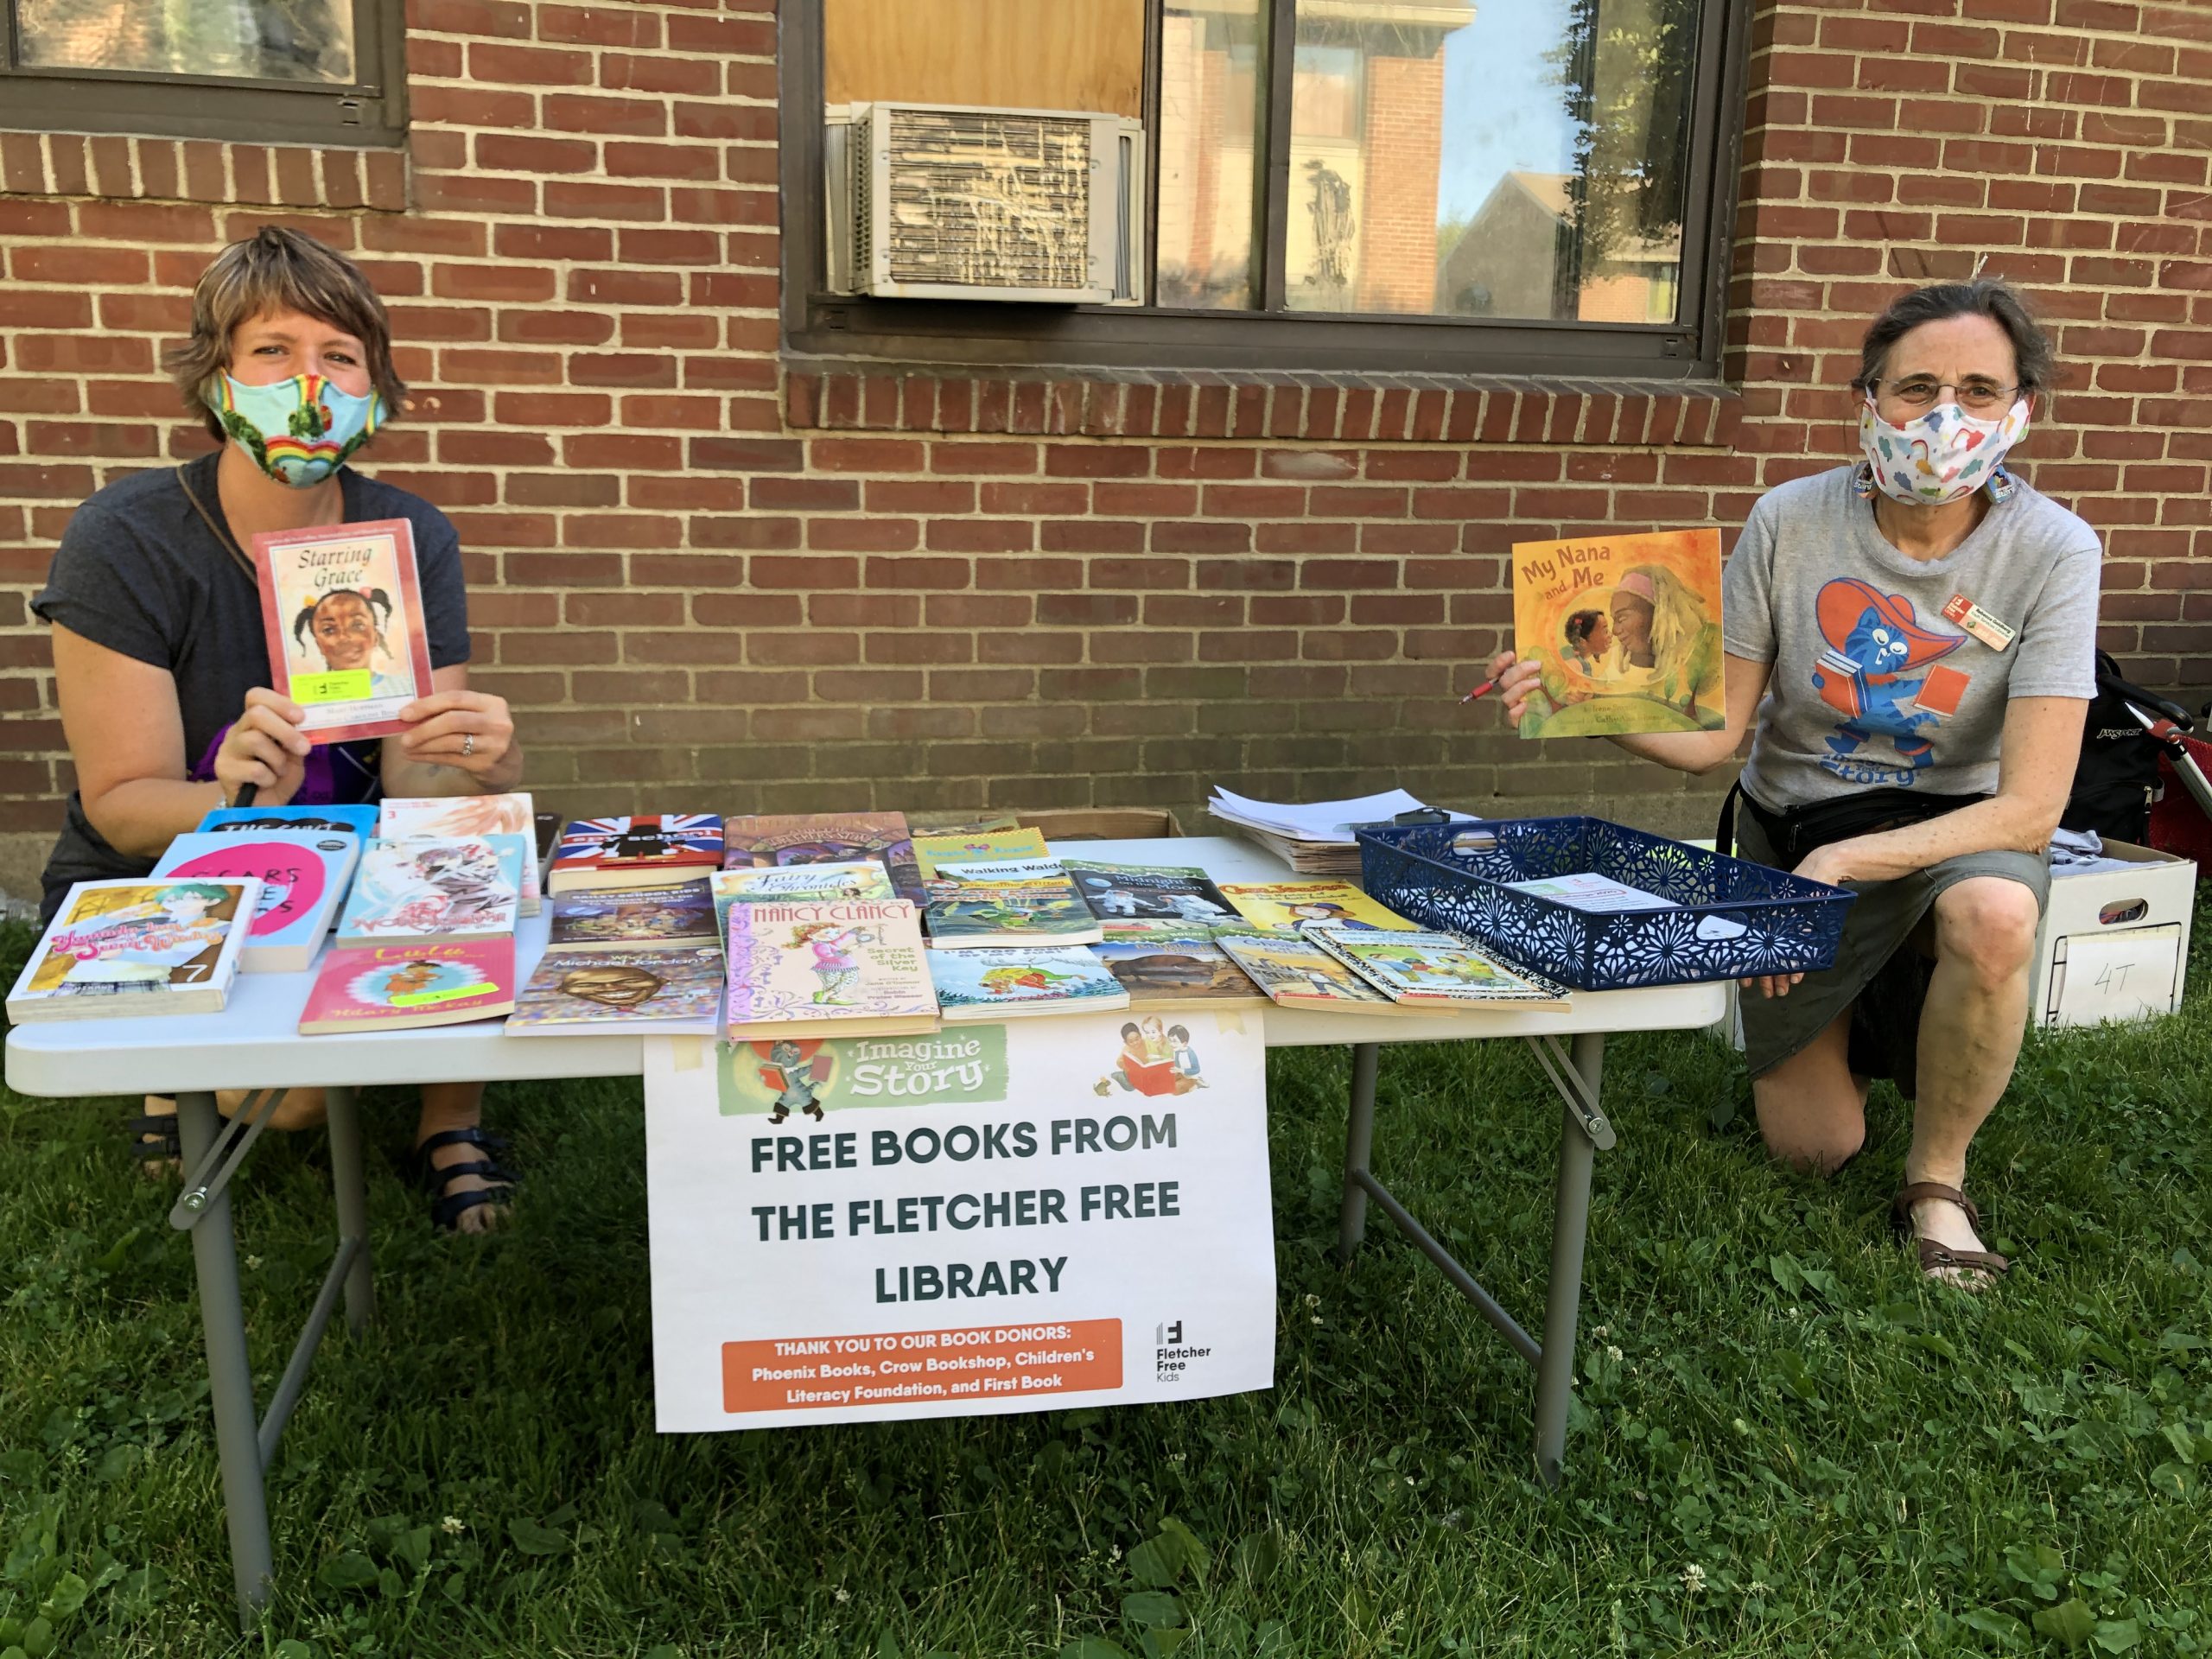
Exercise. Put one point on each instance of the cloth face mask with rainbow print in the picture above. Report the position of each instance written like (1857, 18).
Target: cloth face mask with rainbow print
(299, 430)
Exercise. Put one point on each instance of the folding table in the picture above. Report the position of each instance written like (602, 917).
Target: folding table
(253, 1045)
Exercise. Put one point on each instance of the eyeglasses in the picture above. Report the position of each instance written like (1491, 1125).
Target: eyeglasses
(1920, 391)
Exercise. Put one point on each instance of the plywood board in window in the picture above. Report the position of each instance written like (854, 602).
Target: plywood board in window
(1036, 55)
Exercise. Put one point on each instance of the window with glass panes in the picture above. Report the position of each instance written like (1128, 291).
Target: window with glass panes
(1453, 185)
(259, 70)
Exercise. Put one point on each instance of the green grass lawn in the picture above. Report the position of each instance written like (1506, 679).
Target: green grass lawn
(1787, 1443)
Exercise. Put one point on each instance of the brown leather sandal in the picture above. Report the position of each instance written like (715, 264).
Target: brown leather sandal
(1935, 1255)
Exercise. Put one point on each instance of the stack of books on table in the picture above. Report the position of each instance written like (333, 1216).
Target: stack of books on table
(1316, 839)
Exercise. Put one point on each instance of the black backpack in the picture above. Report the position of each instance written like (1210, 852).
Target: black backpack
(2118, 775)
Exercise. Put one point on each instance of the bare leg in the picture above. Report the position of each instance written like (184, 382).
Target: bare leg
(457, 1106)
(1970, 1031)
(1812, 1108)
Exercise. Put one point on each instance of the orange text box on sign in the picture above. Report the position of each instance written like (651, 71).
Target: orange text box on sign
(982, 1361)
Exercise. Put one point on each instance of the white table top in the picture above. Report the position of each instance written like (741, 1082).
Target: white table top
(254, 1042)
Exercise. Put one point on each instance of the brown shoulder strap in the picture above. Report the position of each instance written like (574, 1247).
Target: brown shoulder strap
(222, 536)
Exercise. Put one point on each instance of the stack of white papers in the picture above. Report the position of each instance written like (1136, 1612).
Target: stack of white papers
(1314, 839)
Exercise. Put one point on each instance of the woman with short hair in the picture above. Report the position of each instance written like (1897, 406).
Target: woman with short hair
(1911, 642)
(161, 661)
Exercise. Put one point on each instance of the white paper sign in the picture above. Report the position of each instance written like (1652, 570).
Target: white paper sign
(1056, 1212)
(2124, 975)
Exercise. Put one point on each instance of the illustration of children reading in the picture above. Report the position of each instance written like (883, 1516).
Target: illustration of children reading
(1186, 1057)
(141, 948)
(347, 626)
(1145, 1065)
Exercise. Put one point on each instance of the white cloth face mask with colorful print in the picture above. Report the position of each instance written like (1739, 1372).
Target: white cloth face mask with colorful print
(300, 429)
(1942, 457)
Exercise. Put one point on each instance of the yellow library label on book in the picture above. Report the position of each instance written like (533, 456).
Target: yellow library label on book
(336, 685)
(451, 994)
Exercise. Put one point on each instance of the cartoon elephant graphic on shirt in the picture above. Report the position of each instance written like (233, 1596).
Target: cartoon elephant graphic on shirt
(1874, 639)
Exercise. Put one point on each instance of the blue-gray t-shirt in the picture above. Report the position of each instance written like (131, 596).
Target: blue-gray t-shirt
(1872, 685)
(139, 571)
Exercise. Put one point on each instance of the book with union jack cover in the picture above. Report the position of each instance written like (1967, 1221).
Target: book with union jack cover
(636, 852)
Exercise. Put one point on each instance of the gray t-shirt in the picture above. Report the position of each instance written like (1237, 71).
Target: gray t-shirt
(1872, 685)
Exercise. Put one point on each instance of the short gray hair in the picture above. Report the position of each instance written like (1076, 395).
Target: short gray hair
(1984, 297)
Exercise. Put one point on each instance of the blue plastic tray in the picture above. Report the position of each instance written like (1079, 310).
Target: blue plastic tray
(1736, 919)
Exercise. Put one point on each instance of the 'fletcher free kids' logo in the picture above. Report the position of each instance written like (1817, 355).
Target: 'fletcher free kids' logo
(1172, 1355)
(777, 1078)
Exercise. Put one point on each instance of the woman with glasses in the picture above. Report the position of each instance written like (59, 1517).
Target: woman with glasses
(1911, 641)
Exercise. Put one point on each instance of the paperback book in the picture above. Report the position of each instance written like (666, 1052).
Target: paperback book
(1029, 901)
(462, 889)
(601, 990)
(975, 847)
(1292, 904)
(815, 968)
(1296, 973)
(1438, 969)
(1144, 891)
(125, 949)
(337, 820)
(861, 877)
(1011, 983)
(674, 916)
(304, 876)
(416, 982)
(442, 817)
(342, 610)
(1626, 630)
(1170, 964)
(636, 852)
(825, 838)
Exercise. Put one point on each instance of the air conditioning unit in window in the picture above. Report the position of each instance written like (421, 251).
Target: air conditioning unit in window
(939, 201)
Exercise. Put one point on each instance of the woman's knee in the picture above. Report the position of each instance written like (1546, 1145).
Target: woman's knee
(1988, 924)
(299, 1109)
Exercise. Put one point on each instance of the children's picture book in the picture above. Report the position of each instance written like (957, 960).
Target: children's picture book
(342, 609)
(960, 821)
(841, 967)
(465, 889)
(1170, 964)
(858, 877)
(1157, 1058)
(304, 876)
(1296, 973)
(341, 820)
(595, 990)
(674, 916)
(1627, 629)
(636, 852)
(415, 983)
(1027, 901)
(1289, 904)
(825, 838)
(1435, 969)
(1008, 984)
(1587, 890)
(1177, 892)
(122, 949)
(978, 846)
(440, 817)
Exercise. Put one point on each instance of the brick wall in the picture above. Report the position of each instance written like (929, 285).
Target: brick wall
(706, 583)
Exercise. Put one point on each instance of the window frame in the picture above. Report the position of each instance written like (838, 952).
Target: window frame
(220, 108)
(1271, 338)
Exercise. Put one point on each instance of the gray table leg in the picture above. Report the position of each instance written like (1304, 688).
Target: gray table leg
(1563, 1297)
(351, 1190)
(230, 1375)
(1359, 1142)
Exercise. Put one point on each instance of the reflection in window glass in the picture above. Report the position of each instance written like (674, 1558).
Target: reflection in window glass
(1209, 95)
(1514, 160)
(251, 40)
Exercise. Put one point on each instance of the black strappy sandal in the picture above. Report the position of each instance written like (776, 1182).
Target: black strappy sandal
(447, 1208)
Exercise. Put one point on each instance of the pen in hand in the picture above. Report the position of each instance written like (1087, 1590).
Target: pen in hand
(1478, 691)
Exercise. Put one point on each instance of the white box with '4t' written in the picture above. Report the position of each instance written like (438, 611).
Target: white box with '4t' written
(2114, 943)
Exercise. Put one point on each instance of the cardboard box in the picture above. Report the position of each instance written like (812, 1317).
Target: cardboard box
(2114, 943)
(1102, 822)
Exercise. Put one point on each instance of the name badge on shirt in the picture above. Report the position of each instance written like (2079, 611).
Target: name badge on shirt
(1977, 622)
